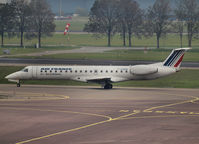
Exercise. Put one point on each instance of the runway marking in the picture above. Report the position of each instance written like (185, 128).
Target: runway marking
(160, 112)
(147, 111)
(168, 105)
(33, 96)
(183, 112)
(136, 111)
(162, 116)
(124, 111)
(125, 117)
(173, 104)
(75, 129)
(66, 131)
(171, 112)
(61, 111)
(63, 132)
(195, 102)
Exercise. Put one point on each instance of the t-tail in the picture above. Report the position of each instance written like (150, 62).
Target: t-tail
(175, 58)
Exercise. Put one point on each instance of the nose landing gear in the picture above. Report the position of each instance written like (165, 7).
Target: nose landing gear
(108, 86)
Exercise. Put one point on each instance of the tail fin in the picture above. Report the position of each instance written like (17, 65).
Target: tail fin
(175, 58)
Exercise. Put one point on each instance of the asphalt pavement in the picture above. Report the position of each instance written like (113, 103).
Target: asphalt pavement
(91, 115)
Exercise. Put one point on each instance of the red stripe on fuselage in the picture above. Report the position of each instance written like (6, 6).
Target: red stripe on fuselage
(179, 61)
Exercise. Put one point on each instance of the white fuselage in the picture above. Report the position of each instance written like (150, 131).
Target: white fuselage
(86, 73)
(104, 75)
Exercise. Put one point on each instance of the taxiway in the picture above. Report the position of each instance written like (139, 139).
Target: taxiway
(90, 115)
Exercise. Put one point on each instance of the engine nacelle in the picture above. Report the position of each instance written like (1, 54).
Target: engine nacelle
(143, 70)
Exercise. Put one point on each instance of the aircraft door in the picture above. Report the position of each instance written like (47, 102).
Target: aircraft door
(34, 72)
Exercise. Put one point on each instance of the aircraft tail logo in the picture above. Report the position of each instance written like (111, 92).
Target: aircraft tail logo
(175, 58)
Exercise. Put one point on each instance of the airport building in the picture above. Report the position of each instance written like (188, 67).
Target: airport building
(8, 1)
(5, 1)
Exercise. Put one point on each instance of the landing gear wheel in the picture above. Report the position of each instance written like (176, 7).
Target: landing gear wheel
(108, 86)
(18, 85)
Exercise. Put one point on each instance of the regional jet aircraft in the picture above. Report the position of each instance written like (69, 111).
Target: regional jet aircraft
(104, 75)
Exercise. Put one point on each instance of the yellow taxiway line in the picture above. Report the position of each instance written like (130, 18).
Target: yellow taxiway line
(60, 111)
(124, 117)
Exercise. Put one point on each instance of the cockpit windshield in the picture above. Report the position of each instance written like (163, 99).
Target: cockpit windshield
(25, 70)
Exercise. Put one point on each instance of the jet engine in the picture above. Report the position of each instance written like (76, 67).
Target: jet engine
(143, 70)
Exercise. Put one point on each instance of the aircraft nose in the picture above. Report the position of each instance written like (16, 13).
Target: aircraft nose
(11, 76)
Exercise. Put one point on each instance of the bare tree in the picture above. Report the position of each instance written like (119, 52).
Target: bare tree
(133, 18)
(179, 24)
(121, 26)
(157, 19)
(103, 18)
(6, 20)
(42, 20)
(188, 11)
(22, 12)
(178, 27)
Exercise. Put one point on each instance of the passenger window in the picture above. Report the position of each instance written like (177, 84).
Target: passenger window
(111, 71)
(91, 71)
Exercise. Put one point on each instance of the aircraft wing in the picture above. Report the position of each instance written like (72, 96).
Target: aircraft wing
(99, 80)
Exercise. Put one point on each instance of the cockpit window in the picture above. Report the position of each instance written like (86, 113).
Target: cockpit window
(25, 70)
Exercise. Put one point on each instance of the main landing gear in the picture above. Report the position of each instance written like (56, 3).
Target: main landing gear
(18, 83)
(108, 86)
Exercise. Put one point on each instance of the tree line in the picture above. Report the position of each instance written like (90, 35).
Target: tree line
(108, 17)
(26, 19)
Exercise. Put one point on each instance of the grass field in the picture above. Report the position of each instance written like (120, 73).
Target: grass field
(19, 50)
(77, 24)
(186, 78)
(171, 41)
(59, 42)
